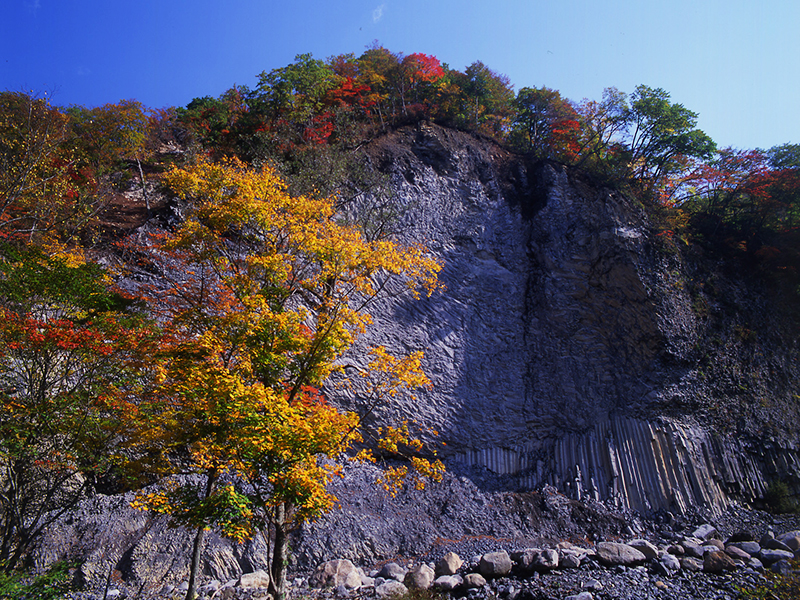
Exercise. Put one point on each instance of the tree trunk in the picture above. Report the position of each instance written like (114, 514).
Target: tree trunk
(144, 190)
(199, 536)
(279, 554)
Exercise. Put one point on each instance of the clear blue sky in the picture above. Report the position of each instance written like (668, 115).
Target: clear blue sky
(735, 62)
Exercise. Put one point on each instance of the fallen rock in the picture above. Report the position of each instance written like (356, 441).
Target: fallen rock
(704, 532)
(474, 581)
(495, 564)
(334, 573)
(717, 562)
(392, 571)
(449, 564)
(645, 547)
(447, 583)
(419, 578)
(390, 588)
(256, 579)
(769, 556)
(614, 553)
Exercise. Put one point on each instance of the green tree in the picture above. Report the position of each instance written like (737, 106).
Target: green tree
(661, 137)
(70, 370)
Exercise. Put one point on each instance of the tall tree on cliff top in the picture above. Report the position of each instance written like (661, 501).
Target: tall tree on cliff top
(661, 137)
(266, 293)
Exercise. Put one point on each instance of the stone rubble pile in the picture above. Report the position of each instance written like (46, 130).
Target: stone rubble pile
(699, 565)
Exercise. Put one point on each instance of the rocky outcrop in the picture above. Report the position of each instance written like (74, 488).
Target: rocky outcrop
(573, 345)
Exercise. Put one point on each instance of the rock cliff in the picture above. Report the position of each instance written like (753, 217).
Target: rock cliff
(578, 346)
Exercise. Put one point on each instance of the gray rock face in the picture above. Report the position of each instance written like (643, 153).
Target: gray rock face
(558, 294)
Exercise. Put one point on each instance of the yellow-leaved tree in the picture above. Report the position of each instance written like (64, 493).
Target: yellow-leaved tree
(264, 293)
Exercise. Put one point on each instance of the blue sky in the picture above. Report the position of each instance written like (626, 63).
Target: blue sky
(735, 62)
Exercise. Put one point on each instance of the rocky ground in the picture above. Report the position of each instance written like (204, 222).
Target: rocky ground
(695, 556)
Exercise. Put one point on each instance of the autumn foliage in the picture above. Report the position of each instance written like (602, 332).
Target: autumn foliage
(208, 371)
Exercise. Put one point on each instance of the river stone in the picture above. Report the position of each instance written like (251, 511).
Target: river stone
(392, 571)
(581, 596)
(704, 532)
(474, 581)
(256, 579)
(447, 583)
(690, 563)
(752, 548)
(792, 540)
(335, 573)
(614, 553)
(391, 588)
(670, 562)
(769, 556)
(569, 559)
(419, 578)
(777, 545)
(449, 564)
(737, 553)
(645, 547)
(495, 564)
(717, 562)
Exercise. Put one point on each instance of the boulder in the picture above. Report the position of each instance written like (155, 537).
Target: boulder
(390, 588)
(752, 548)
(392, 571)
(781, 567)
(546, 560)
(447, 583)
(717, 562)
(792, 540)
(536, 560)
(741, 536)
(581, 596)
(692, 549)
(569, 559)
(419, 578)
(690, 563)
(256, 579)
(737, 553)
(769, 556)
(613, 554)
(777, 545)
(704, 532)
(670, 563)
(716, 543)
(645, 547)
(474, 581)
(335, 573)
(495, 564)
(449, 564)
